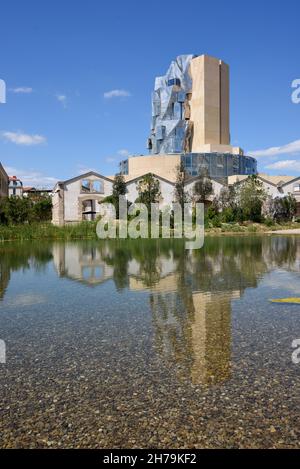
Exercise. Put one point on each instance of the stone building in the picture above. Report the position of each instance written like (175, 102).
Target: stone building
(275, 186)
(3, 182)
(77, 199)
(15, 187)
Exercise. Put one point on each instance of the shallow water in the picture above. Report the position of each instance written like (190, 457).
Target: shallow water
(145, 344)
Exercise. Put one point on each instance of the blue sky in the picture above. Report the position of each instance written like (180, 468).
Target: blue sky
(79, 76)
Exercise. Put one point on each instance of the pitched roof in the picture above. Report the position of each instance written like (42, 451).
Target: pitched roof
(157, 176)
(294, 179)
(236, 178)
(270, 179)
(195, 178)
(85, 175)
(3, 170)
(276, 180)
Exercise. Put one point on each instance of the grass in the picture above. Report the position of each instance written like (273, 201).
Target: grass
(84, 230)
(250, 228)
(87, 230)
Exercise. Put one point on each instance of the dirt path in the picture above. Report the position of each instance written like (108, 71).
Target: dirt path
(292, 231)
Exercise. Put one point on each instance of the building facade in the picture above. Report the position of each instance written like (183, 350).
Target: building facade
(77, 199)
(15, 188)
(3, 182)
(275, 186)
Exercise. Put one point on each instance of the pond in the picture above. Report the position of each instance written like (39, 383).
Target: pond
(143, 344)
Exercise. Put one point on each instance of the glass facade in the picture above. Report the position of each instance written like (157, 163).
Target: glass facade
(123, 167)
(219, 165)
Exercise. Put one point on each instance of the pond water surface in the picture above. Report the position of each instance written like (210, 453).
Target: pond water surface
(145, 344)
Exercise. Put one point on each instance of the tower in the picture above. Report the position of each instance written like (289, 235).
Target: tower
(190, 117)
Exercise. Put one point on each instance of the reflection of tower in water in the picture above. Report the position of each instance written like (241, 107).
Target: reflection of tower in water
(4, 278)
(211, 337)
(193, 332)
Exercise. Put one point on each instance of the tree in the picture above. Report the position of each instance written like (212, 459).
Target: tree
(119, 189)
(119, 186)
(227, 202)
(180, 193)
(251, 197)
(203, 188)
(17, 210)
(227, 198)
(148, 189)
(283, 208)
(41, 210)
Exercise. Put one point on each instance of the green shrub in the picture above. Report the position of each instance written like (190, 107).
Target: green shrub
(268, 221)
(228, 215)
(252, 228)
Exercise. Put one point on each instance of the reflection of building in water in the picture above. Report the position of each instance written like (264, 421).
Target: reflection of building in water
(194, 329)
(211, 337)
(4, 278)
(190, 295)
(83, 263)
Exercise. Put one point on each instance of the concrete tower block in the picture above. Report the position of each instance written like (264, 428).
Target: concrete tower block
(210, 102)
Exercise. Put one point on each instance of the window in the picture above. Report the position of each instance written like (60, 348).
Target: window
(179, 132)
(160, 132)
(181, 97)
(177, 110)
(97, 186)
(85, 185)
(297, 188)
(174, 81)
(188, 161)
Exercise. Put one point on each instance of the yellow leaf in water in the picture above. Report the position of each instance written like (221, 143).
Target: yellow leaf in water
(287, 300)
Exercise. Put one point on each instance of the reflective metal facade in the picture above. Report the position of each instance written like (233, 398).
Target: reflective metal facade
(170, 127)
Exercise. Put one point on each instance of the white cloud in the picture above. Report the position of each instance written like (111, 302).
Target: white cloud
(110, 159)
(116, 94)
(32, 178)
(123, 152)
(62, 98)
(27, 299)
(82, 169)
(289, 148)
(22, 90)
(20, 138)
(290, 165)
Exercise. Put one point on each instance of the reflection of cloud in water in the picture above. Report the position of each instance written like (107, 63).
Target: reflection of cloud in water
(282, 280)
(27, 299)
